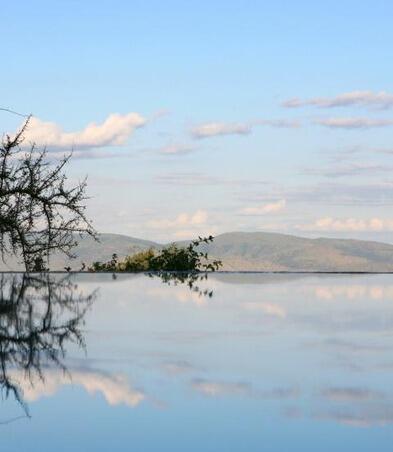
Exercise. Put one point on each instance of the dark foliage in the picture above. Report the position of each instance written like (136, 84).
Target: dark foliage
(173, 258)
(192, 280)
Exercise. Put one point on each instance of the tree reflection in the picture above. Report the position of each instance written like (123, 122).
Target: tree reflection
(39, 316)
(42, 314)
(191, 280)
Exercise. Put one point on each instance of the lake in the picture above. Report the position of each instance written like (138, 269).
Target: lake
(234, 362)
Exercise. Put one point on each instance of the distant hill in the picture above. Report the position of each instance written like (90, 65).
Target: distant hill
(263, 251)
(250, 251)
(89, 250)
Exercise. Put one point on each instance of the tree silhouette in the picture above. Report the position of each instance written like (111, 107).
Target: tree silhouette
(39, 212)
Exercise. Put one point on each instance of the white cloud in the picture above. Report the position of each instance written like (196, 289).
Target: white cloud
(264, 209)
(91, 155)
(354, 169)
(182, 220)
(279, 123)
(177, 367)
(380, 99)
(186, 234)
(176, 149)
(337, 194)
(353, 123)
(184, 226)
(212, 129)
(348, 224)
(194, 178)
(190, 178)
(114, 131)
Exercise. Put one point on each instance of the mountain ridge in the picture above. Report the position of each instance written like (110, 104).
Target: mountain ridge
(247, 251)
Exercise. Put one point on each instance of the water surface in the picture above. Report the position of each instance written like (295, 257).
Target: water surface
(237, 362)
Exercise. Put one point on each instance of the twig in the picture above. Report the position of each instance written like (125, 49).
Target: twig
(8, 110)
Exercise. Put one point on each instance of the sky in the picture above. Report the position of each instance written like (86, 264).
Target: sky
(201, 117)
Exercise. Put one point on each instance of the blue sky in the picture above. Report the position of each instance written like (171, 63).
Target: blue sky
(213, 144)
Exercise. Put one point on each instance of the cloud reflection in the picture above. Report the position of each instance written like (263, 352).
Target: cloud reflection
(350, 394)
(363, 416)
(214, 388)
(353, 292)
(116, 389)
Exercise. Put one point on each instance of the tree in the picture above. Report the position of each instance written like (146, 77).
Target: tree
(39, 212)
(188, 258)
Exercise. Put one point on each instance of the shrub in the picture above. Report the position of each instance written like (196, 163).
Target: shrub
(138, 262)
(173, 258)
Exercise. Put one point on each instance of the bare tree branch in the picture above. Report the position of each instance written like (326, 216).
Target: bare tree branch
(39, 212)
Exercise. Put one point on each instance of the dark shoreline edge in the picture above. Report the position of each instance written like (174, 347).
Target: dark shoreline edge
(234, 272)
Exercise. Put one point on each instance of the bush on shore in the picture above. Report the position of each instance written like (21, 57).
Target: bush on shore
(173, 258)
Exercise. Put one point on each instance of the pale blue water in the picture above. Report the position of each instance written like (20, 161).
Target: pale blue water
(268, 362)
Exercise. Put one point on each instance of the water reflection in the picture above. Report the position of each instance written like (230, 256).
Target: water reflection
(39, 316)
(280, 362)
(115, 389)
(190, 280)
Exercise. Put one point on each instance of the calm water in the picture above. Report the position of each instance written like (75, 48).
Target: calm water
(238, 362)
